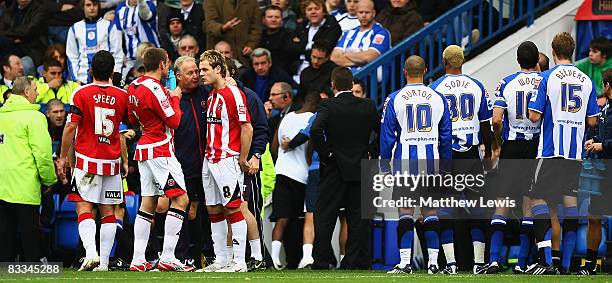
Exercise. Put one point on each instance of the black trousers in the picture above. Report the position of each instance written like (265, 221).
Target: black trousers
(335, 193)
(22, 220)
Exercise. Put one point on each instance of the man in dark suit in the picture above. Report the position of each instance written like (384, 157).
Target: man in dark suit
(192, 15)
(318, 74)
(341, 134)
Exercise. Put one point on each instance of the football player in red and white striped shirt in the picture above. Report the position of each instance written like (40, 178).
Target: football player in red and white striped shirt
(158, 113)
(95, 114)
(228, 140)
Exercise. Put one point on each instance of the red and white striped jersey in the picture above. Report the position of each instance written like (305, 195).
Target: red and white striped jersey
(225, 111)
(98, 110)
(158, 114)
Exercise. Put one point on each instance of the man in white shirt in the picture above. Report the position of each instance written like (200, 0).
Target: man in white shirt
(12, 68)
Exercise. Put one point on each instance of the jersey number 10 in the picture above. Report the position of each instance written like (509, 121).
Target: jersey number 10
(418, 117)
(103, 125)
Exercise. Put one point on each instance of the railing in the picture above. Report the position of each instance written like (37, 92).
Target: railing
(458, 26)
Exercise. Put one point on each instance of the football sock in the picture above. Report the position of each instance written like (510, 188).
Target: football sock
(107, 238)
(430, 225)
(87, 232)
(498, 226)
(405, 238)
(142, 227)
(218, 227)
(526, 238)
(543, 233)
(172, 232)
(239, 235)
(256, 249)
(276, 248)
(570, 227)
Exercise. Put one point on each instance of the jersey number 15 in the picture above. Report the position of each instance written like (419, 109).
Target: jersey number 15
(103, 125)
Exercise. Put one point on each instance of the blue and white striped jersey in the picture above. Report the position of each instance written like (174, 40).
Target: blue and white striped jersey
(136, 30)
(512, 94)
(355, 40)
(85, 38)
(566, 97)
(416, 121)
(469, 105)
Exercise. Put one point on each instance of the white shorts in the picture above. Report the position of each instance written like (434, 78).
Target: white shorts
(223, 182)
(96, 188)
(161, 170)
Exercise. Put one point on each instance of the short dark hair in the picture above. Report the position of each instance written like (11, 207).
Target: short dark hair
(95, 2)
(102, 65)
(272, 8)
(327, 90)
(361, 83)
(312, 97)
(153, 57)
(527, 55)
(231, 66)
(342, 78)
(606, 77)
(5, 61)
(50, 62)
(602, 44)
(563, 45)
(323, 46)
(544, 62)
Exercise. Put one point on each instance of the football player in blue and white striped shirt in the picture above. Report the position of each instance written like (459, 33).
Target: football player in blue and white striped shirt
(471, 112)
(416, 121)
(137, 19)
(520, 141)
(565, 102)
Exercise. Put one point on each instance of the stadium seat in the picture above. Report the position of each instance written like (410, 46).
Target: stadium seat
(66, 227)
(132, 203)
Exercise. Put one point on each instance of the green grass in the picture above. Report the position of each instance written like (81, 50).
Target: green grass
(295, 276)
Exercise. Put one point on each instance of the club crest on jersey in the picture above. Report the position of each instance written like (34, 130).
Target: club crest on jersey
(219, 106)
(171, 182)
(165, 103)
(379, 38)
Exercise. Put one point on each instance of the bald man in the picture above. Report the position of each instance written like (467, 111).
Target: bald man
(361, 45)
(401, 108)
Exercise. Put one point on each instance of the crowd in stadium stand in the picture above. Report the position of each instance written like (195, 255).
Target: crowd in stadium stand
(282, 52)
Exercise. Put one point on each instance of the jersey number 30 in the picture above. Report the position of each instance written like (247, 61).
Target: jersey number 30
(463, 107)
(418, 117)
(103, 125)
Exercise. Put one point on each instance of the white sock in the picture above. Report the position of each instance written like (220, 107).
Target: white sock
(307, 251)
(479, 250)
(256, 249)
(276, 248)
(218, 229)
(142, 228)
(229, 253)
(405, 257)
(107, 238)
(433, 256)
(172, 232)
(239, 235)
(449, 252)
(87, 231)
(341, 257)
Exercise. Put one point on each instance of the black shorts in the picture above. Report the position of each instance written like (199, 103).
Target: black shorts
(287, 198)
(312, 190)
(468, 163)
(195, 189)
(517, 163)
(555, 178)
(600, 204)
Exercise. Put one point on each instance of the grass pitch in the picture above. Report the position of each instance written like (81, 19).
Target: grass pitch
(69, 275)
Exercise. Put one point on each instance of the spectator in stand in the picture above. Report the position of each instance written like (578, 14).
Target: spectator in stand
(319, 27)
(597, 63)
(189, 139)
(359, 88)
(349, 20)
(289, 16)
(80, 48)
(137, 19)
(55, 51)
(277, 39)
(334, 8)
(263, 74)
(318, 74)
(188, 46)
(11, 69)
(52, 85)
(239, 26)
(226, 49)
(192, 15)
(27, 164)
(431, 10)
(170, 40)
(362, 44)
(23, 31)
(63, 14)
(401, 19)
(543, 62)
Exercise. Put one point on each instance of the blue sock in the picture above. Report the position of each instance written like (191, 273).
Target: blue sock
(543, 233)
(405, 232)
(570, 226)
(498, 225)
(525, 240)
(431, 235)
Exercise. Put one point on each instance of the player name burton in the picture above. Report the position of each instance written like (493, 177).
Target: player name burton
(432, 202)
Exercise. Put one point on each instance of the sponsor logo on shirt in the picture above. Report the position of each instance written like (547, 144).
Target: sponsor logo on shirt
(241, 110)
(213, 120)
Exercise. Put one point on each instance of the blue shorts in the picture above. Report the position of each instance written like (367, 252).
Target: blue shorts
(312, 190)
